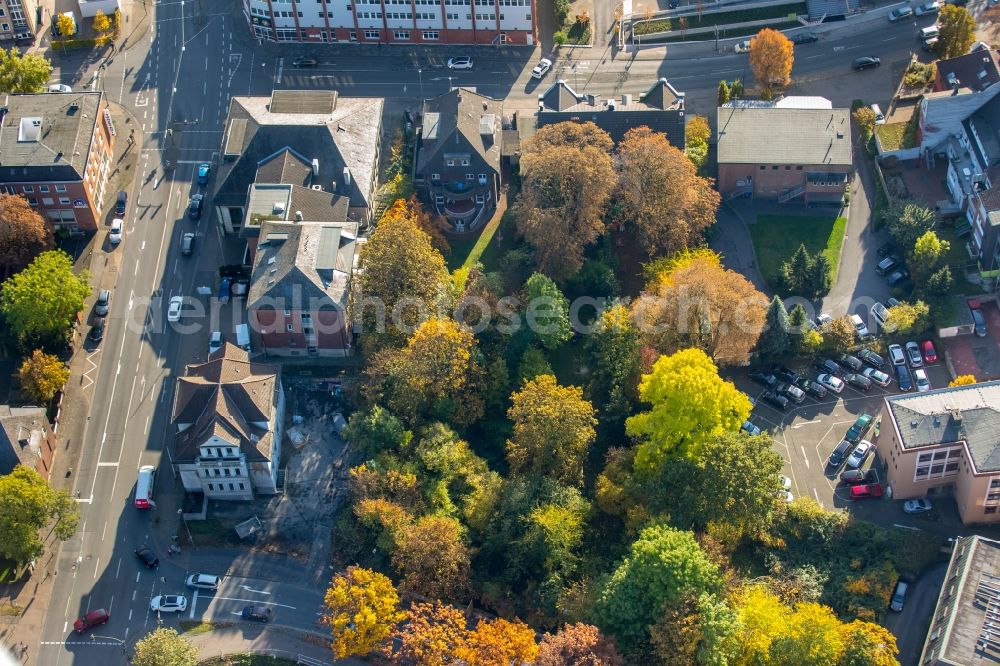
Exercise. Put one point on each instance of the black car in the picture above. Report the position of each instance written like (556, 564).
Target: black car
(854, 477)
(865, 62)
(763, 378)
(900, 276)
(256, 613)
(147, 556)
(859, 381)
(120, 203)
(885, 250)
(830, 367)
(97, 330)
(852, 362)
(814, 389)
(775, 400)
(785, 374)
(194, 206)
(805, 38)
(871, 358)
(903, 378)
(888, 264)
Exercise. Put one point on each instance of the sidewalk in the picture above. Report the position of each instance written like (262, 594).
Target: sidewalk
(270, 641)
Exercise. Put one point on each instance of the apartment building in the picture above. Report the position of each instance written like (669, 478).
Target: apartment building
(393, 21)
(18, 21)
(56, 150)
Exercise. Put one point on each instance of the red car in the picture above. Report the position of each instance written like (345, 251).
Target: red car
(91, 619)
(866, 491)
(930, 354)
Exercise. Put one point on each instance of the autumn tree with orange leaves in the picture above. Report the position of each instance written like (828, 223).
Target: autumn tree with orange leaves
(499, 642)
(432, 225)
(771, 58)
(432, 635)
(432, 558)
(578, 645)
(23, 233)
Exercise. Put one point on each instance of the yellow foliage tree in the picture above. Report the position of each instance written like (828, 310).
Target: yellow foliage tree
(66, 25)
(101, 22)
(499, 642)
(43, 375)
(771, 57)
(963, 380)
(362, 611)
(432, 635)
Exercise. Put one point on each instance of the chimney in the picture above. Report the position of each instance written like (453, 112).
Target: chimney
(611, 105)
(315, 168)
(626, 100)
(592, 99)
(298, 216)
(347, 177)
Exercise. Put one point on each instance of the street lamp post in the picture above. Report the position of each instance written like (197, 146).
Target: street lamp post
(420, 76)
(180, 512)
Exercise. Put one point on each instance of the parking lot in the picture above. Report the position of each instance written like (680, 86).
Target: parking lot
(808, 432)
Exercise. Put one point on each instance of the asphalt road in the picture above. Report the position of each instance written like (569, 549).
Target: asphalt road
(180, 76)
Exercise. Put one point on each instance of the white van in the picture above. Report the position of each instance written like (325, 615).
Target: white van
(243, 337)
(881, 313)
(930, 32)
(144, 487)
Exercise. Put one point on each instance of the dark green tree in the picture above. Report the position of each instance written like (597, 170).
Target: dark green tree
(907, 221)
(773, 341)
(533, 363)
(736, 90)
(614, 346)
(795, 272)
(376, 431)
(820, 277)
(723, 92)
(940, 282)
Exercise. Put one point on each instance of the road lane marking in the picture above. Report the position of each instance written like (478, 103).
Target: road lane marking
(118, 569)
(194, 603)
(805, 423)
(107, 464)
(250, 589)
(255, 601)
(97, 567)
(805, 458)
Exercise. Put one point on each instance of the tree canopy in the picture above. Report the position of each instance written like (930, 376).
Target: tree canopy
(957, 31)
(41, 302)
(43, 375)
(433, 559)
(907, 221)
(165, 647)
(26, 73)
(362, 611)
(928, 253)
(547, 312)
(771, 58)
(432, 635)
(578, 645)
(27, 504)
(23, 232)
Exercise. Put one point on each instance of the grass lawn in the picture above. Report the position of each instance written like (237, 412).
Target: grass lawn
(776, 237)
(466, 251)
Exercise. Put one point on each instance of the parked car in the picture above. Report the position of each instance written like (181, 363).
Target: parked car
(742, 47)
(930, 354)
(103, 303)
(871, 358)
(60, 88)
(785, 495)
(115, 233)
(866, 62)
(930, 45)
(831, 383)
(879, 116)
(877, 376)
(120, 203)
(204, 170)
(866, 491)
(97, 330)
(897, 278)
(903, 378)
(187, 244)
(147, 556)
(899, 596)
(887, 264)
(194, 206)
(805, 38)
(917, 506)
(880, 313)
(790, 391)
(891, 302)
(215, 342)
(785, 374)
(913, 354)
(462, 62)
(305, 62)
(765, 379)
(749, 428)
(837, 456)
(896, 355)
(886, 249)
(920, 379)
(859, 428)
(851, 362)
(859, 326)
(860, 454)
(168, 603)
(201, 581)
(784, 482)
(830, 367)
(853, 477)
(91, 619)
(980, 322)
(174, 308)
(541, 68)
(899, 13)
(814, 389)
(859, 381)
(822, 319)
(775, 400)
(256, 613)
(927, 8)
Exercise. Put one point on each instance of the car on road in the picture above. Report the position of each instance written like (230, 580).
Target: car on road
(765, 379)
(814, 389)
(120, 203)
(837, 456)
(979, 321)
(831, 383)
(829, 367)
(174, 309)
(896, 355)
(103, 303)
(204, 169)
(201, 581)
(859, 326)
(930, 354)
(749, 428)
(858, 429)
(887, 264)
(877, 376)
(859, 381)
(60, 88)
(215, 342)
(462, 62)
(860, 454)
(903, 378)
(539, 70)
(899, 596)
(194, 206)
(805, 38)
(920, 379)
(931, 7)
(743, 47)
(256, 613)
(871, 358)
(792, 392)
(850, 362)
(775, 400)
(785, 374)
(913, 353)
(898, 277)
(187, 244)
(917, 506)
(900, 13)
(168, 603)
(97, 330)
(867, 491)
(305, 62)
(866, 62)
(91, 619)
(115, 233)
(930, 45)
(147, 556)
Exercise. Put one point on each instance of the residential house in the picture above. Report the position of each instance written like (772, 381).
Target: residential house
(299, 289)
(56, 150)
(945, 442)
(26, 439)
(457, 162)
(312, 139)
(228, 412)
(495, 22)
(660, 108)
(789, 154)
(976, 70)
(963, 629)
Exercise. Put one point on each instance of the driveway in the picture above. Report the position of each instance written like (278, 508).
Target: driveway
(910, 626)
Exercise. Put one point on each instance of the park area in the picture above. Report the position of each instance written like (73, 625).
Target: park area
(776, 237)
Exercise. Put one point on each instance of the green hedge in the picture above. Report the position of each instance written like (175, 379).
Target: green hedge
(726, 18)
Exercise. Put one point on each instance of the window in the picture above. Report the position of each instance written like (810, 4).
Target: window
(60, 188)
(354, 36)
(28, 189)
(290, 328)
(401, 34)
(32, 201)
(450, 162)
(372, 34)
(241, 486)
(210, 487)
(5, 26)
(480, 199)
(431, 34)
(288, 311)
(231, 487)
(762, 167)
(435, 176)
(43, 188)
(64, 201)
(940, 463)
(465, 162)
(482, 178)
